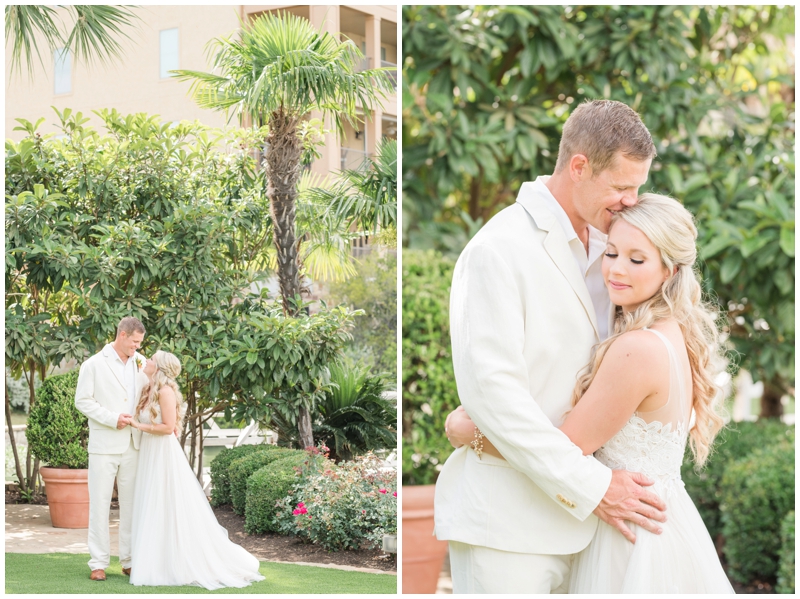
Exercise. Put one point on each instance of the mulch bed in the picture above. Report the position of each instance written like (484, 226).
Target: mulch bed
(270, 546)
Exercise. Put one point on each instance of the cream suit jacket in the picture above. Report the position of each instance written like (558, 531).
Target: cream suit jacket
(101, 396)
(522, 326)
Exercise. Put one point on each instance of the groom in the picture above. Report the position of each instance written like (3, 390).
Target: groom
(108, 387)
(527, 304)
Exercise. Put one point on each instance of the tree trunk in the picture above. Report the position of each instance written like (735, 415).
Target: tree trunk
(283, 172)
(17, 463)
(771, 406)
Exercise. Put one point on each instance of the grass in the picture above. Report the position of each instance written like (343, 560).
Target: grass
(67, 573)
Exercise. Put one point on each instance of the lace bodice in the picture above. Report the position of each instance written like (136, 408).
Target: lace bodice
(654, 447)
(144, 415)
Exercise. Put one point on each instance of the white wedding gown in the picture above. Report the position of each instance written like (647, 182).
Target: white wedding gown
(176, 539)
(680, 560)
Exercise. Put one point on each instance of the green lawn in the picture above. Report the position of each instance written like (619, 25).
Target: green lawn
(60, 573)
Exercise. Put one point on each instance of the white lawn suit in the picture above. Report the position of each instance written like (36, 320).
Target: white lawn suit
(522, 326)
(102, 396)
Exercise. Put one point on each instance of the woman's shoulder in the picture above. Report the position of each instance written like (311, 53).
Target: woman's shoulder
(637, 354)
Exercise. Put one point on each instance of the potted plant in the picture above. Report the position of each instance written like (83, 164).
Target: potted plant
(58, 435)
(429, 394)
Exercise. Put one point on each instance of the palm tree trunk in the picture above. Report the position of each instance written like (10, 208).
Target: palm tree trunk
(283, 173)
(284, 151)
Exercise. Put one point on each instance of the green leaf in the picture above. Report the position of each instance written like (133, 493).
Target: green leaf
(787, 240)
(730, 267)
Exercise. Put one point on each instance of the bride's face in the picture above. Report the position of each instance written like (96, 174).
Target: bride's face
(632, 267)
(150, 367)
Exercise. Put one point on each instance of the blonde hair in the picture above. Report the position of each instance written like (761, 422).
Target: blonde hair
(670, 228)
(168, 367)
(599, 129)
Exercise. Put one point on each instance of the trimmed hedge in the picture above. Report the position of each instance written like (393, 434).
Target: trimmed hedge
(786, 566)
(220, 485)
(266, 487)
(757, 493)
(57, 432)
(733, 443)
(241, 469)
(429, 386)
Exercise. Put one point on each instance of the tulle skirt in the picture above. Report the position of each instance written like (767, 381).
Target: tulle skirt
(176, 539)
(682, 559)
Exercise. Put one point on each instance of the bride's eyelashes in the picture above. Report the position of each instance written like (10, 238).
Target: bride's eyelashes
(610, 255)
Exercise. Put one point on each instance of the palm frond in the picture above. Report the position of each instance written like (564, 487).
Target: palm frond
(94, 35)
(23, 22)
(97, 30)
(281, 62)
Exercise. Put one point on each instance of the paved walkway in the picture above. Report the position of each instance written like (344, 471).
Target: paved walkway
(30, 530)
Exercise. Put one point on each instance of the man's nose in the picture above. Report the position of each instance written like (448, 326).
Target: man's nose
(630, 198)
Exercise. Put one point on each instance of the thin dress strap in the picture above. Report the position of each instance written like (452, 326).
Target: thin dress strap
(677, 409)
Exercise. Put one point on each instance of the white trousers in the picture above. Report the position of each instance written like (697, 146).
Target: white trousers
(103, 469)
(483, 570)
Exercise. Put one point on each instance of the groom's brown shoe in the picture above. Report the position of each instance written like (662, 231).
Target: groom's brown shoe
(126, 571)
(98, 575)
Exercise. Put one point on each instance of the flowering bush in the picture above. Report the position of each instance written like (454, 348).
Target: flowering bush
(350, 506)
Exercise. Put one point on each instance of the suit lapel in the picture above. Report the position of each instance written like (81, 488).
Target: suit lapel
(557, 247)
(110, 363)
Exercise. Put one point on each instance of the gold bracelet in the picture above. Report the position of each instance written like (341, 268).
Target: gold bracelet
(477, 444)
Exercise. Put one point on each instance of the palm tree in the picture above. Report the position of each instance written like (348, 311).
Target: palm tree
(366, 196)
(277, 71)
(92, 37)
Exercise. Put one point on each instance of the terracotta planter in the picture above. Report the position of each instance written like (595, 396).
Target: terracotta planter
(423, 554)
(68, 496)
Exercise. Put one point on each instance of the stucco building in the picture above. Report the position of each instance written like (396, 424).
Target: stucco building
(175, 37)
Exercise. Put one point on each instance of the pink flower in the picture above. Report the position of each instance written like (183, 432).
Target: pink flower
(382, 491)
(394, 494)
(295, 512)
(309, 516)
(301, 504)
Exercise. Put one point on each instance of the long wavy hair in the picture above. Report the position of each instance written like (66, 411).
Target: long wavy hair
(670, 228)
(168, 367)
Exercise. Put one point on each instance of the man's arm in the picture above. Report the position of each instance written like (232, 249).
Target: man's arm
(488, 338)
(89, 407)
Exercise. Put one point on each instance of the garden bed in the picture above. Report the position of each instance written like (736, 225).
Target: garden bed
(271, 546)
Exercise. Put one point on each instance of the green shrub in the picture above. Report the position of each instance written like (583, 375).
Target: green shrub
(348, 507)
(735, 442)
(271, 483)
(373, 290)
(57, 432)
(757, 493)
(429, 387)
(786, 566)
(220, 485)
(241, 469)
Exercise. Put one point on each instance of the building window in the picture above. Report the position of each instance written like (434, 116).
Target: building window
(62, 61)
(168, 54)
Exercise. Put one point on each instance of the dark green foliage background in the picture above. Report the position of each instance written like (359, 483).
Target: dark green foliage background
(429, 387)
(486, 90)
(757, 493)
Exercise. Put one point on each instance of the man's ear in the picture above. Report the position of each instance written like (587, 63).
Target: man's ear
(579, 168)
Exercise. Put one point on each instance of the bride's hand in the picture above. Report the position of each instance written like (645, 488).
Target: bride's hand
(459, 427)
(135, 424)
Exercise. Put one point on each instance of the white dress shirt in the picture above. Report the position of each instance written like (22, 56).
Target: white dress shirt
(590, 266)
(126, 373)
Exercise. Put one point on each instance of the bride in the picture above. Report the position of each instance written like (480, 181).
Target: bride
(176, 539)
(633, 404)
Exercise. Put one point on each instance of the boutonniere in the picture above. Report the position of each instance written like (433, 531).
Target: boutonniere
(140, 362)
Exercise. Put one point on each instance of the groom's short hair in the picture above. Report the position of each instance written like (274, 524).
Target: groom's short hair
(130, 325)
(599, 129)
